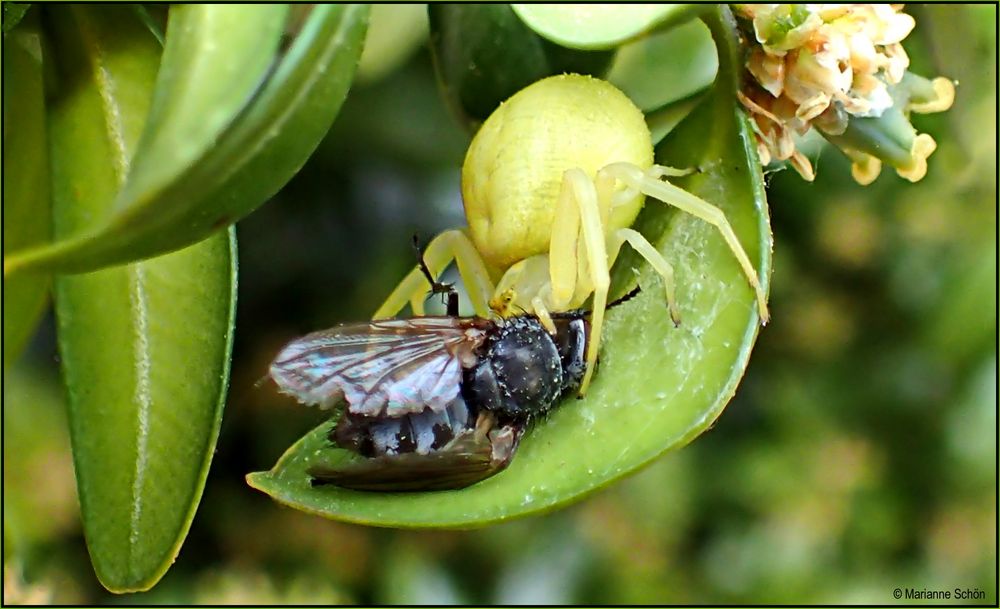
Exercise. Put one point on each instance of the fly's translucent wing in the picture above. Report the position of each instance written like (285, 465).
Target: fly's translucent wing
(388, 367)
(467, 459)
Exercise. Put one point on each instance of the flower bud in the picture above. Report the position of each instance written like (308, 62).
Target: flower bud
(843, 70)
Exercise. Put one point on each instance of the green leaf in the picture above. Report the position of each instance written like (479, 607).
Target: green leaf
(145, 355)
(600, 26)
(235, 115)
(13, 13)
(214, 60)
(27, 219)
(395, 33)
(144, 347)
(658, 386)
(155, 19)
(666, 73)
(484, 54)
(662, 121)
(666, 67)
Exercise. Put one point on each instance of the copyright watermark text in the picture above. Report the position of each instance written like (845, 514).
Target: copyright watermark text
(932, 594)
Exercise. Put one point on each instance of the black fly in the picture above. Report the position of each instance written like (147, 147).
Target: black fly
(437, 402)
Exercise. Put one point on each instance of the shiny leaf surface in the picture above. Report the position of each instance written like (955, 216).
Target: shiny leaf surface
(144, 347)
(484, 54)
(235, 114)
(599, 26)
(13, 13)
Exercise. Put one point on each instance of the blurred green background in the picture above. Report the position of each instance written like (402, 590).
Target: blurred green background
(858, 456)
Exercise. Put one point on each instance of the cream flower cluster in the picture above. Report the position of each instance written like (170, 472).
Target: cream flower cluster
(826, 65)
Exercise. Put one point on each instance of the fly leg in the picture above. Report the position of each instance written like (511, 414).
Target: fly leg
(451, 245)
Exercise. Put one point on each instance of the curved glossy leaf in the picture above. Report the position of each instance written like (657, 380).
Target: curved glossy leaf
(599, 26)
(658, 386)
(13, 12)
(215, 58)
(666, 67)
(212, 151)
(663, 121)
(484, 54)
(145, 355)
(395, 33)
(27, 218)
(666, 73)
(144, 347)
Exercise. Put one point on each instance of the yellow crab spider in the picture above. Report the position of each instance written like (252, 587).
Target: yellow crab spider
(551, 184)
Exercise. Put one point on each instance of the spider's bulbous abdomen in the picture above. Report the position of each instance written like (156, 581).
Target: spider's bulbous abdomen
(514, 167)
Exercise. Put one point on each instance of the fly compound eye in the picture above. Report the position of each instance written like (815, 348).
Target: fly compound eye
(571, 341)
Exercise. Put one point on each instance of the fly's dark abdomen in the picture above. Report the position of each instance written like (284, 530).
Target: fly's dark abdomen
(420, 433)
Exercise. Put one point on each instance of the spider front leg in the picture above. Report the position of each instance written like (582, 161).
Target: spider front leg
(580, 216)
(449, 245)
(649, 184)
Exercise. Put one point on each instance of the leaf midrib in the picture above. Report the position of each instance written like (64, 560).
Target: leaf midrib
(138, 308)
(135, 273)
